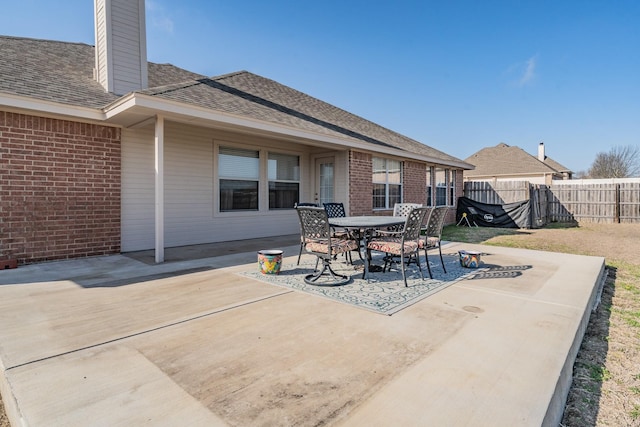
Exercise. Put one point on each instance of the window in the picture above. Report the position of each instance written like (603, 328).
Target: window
(239, 173)
(284, 180)
(387, 183)
(429, 186)
(441, 186)
(241, 187)
(326, 177)
(452, 187)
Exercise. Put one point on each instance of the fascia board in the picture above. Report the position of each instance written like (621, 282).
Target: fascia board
(49, 107)
(507, 175)
(169, 108)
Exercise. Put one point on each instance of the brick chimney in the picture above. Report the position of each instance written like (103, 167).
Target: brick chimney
(121, 45)
(541, 155)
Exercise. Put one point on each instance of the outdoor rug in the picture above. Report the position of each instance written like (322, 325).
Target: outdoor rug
(382, 293)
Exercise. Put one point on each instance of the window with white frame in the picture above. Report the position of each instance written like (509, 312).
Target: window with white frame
(241, 187)
(441, 178)
(239, 178)
(284, 180)
(452, 187)
(429, 186)
(387, 183)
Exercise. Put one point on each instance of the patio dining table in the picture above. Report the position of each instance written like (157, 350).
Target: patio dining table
(366, 225)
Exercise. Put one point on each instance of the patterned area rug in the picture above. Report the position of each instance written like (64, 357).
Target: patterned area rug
(382, 293)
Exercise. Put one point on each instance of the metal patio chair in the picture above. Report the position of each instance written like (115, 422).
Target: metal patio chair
(433, 234)
(404, 243)
(296, 206)
(336, 210)
(317, 240)
(403, 209)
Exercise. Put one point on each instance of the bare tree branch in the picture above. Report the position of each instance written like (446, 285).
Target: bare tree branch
(619, 162)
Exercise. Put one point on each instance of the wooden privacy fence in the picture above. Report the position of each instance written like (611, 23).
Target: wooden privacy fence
(593, 202)
(565, 201)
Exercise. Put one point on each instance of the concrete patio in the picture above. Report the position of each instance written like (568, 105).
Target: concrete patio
(120, 341)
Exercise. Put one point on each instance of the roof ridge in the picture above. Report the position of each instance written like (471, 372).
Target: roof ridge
(44, 40)
(232, 74)
(364, 123)
(363, 119)
(159, 90)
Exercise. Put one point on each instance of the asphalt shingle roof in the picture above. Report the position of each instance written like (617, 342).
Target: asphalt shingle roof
(555, 165)
(63, 72)
(507, 160)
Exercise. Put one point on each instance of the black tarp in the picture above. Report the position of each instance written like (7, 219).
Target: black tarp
(509, 215)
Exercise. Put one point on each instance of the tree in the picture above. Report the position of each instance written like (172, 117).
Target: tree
(619, 162)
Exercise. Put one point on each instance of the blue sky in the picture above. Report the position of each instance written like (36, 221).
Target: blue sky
(456, 75)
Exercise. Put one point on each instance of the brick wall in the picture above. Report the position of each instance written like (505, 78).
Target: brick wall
(360, 184)
(414, 186)
(59, 188)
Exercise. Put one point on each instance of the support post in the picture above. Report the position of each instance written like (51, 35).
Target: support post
(159, 187)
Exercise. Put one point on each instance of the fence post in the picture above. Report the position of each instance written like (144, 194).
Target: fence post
(617, 209)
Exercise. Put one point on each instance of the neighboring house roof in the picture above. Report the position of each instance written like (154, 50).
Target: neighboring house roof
(555, 165)
(506, 160)
(62, 72)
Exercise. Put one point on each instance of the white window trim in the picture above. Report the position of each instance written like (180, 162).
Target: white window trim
(386, 182)
(263, 183)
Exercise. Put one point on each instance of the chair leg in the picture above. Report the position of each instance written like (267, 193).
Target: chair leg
(441, 260)
(358, 237)
(404, 275)
(338, 279)
(426, 258)
(348, 258)
(388, 259)
(418, 262)
(300, 254)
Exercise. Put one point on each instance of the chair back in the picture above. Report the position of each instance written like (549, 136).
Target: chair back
(335, 210)
(436, 221)
(297, 205)
(403, 209)
(413, 224)
(314, 223)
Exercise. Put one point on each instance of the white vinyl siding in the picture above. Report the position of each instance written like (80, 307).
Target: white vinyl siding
(138, 197)
(190, 187)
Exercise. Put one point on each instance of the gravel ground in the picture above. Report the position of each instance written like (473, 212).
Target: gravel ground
(606, 378)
